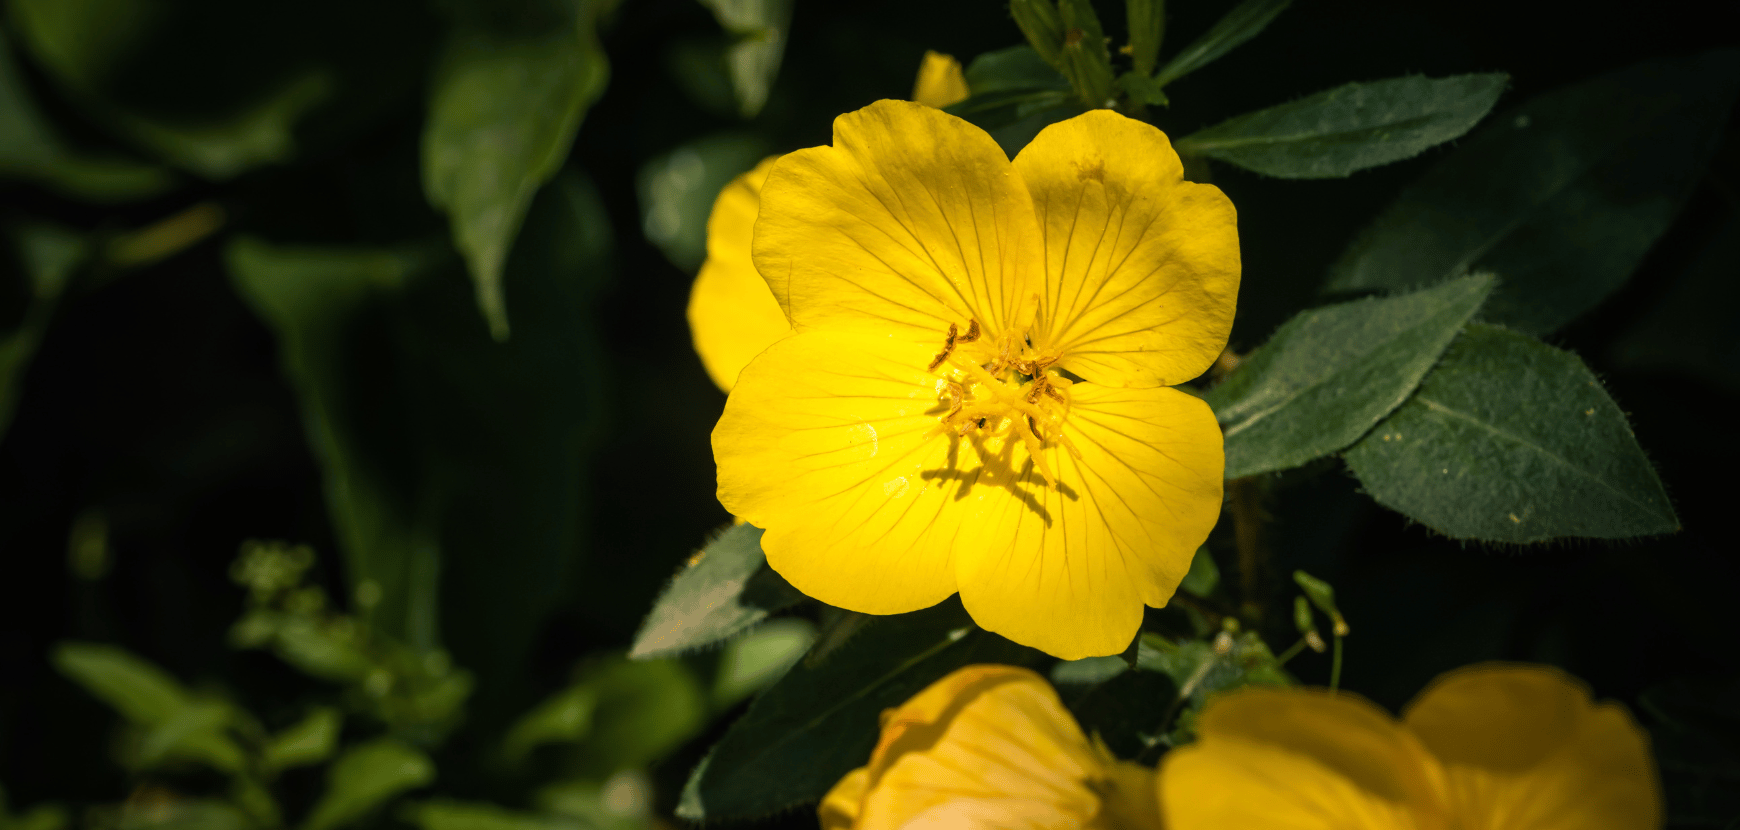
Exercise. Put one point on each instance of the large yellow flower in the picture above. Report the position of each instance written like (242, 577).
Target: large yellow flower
(990, 747)
(973, 397)
(1495, 747)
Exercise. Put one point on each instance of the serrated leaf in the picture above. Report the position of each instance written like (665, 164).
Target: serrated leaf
(1239, 25)
(820, 721)
(727, 588)
(1512, 440)
(758, 28)
(1329, 374)
(138, 689)
(308, 741)
(1561, 197)
(365, 777)
(502, 117)
(1351, 127)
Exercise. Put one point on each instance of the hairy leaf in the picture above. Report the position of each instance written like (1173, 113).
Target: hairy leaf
(1512, 440)
(1561, 197)
(725, 589)
(1350, 127)
(1331, 373)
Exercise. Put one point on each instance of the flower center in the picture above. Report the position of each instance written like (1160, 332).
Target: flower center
(996, 387)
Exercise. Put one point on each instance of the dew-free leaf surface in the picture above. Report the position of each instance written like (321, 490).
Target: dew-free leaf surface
(1331, 373)
(1239, 25)
(365, 777)
(1351, 127)
(726, 588)
(1561, 196)
(1512, 440)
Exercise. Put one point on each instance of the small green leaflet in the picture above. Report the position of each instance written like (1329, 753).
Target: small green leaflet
(1329, 374)
(726, 589)
(1512, 440)
(502, 117)
(820, 721)
(365, 777)
(1239, 25)
(1561, 197)
(1351, 127)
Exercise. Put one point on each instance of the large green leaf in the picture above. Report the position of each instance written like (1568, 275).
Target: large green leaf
(1561, 197)
(725, 589)
(1331, 373)
(501, 120)
(758, 29)
(1239, 25)
(1512, 440)
(1350, 127)
(820, 721)
(138, 689)
(365, 777)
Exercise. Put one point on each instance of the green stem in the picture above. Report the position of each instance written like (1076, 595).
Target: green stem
(1291, 652)
(1335, 666)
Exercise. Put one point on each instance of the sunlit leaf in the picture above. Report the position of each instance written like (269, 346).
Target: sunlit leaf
(758, 658)
(1239, 25)
(1331, 373)
(501, 119)
(820, 721)
(1350, 127)
(1512, 440)
(759, 29)
(308, 741)
(365, 777)
(725, 589)
(1561, 197)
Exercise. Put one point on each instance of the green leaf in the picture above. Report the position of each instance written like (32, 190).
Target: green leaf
(677, 191)
(646, 709)
(1203, 577)
(1512, 440)
(1561, 197)
(726, 589)
(502, 117)
(1694, 329)
(222, 148)
(758, 658)
(1014, 116)
(139, 690)
(759, 29)
(50, 255)
(564, 717)
(1014, 68)
(1200, 669)
(459, 815)
(1329, 374)
(29, 149)
(820, 721)
(365, 777)
(309, 741)
(1239, 25)
(196, 732)
(1351, 127)
(1126, 709)
(189, 814)
(621, 802)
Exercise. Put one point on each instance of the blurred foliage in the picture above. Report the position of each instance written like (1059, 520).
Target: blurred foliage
(402, 283)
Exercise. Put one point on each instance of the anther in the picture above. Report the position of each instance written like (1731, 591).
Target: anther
(948, 347)
(972, 332)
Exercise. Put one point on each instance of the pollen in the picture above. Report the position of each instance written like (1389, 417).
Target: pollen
(998, 389)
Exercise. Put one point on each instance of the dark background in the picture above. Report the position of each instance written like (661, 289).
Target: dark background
(157, 397)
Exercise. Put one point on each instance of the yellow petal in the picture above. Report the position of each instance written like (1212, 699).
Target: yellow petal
(940, 81)
(986, 747)
(1525, 748)
(909, 222)
(825, 443)
(1141, 267)
(1067, 570)
(1298, 759)
(839, 808)
(732, 313)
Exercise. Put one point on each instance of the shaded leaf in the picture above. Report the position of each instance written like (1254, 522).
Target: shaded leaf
(459, 815)
(1014, 116)
(725, 589)
(309, 741)
(677, 191)
(220, 149)
(1561, 197)
(365, 777)
(820, 721)
(1014, 68)
(758, 658)
(1512, 440)
(758, 28)
(1126, 709)
(196, 732)
(646, 708)
(1695, 328)
(139, 690)
(502, 116)
(1203, 577)
(1199, 669)
(1350, 127)
(1239, 25)
(49, 255)
(564, 717)
(1329, 374)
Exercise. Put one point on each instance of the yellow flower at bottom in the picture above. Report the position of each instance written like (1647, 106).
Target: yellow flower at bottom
(989, 747)
(940, 81)
(1495, 747)
(974, 395)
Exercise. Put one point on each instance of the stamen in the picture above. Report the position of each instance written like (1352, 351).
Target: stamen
(948, 348)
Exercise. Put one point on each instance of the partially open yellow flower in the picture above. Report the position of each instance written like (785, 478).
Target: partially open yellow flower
(1497, 747)
(732, 315)
(974, 396)
(990, 747)
(940, 81)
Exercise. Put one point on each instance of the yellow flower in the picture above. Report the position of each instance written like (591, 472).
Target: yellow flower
(940, 81)
(1496, 747)
(974, 395)
(990, 747)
